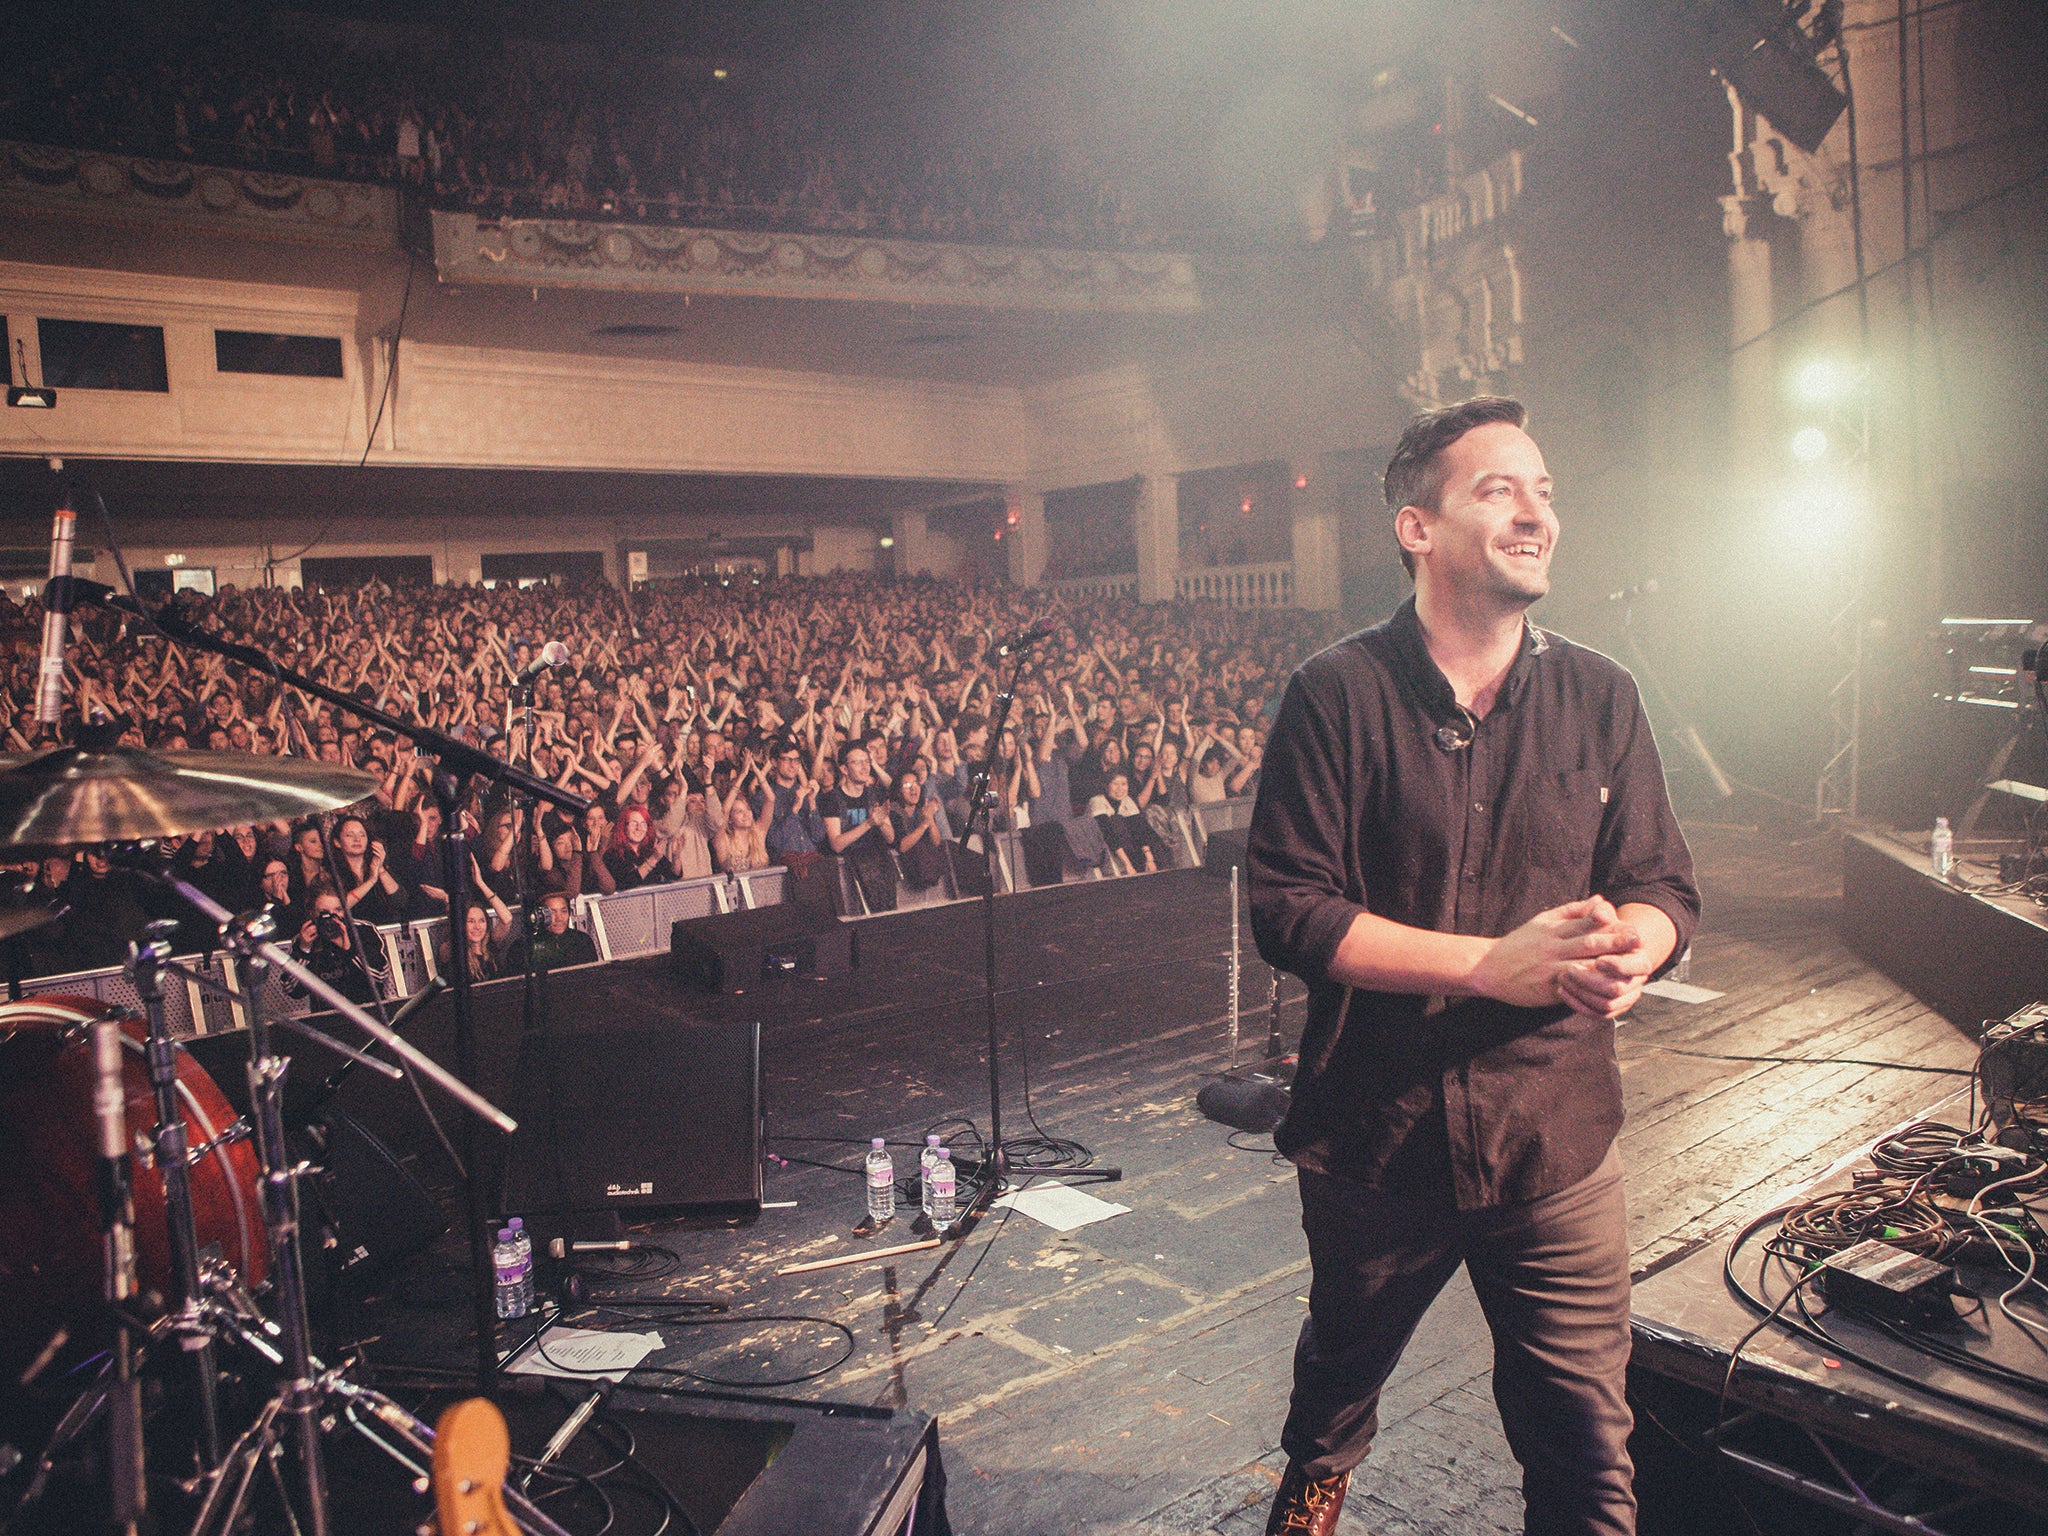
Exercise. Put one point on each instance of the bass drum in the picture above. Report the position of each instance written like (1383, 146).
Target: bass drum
(50, 1246)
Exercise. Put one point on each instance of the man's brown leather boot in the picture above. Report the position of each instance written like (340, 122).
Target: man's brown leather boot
(1304, 1508)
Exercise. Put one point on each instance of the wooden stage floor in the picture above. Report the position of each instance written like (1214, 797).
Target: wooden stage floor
(1132, 1376)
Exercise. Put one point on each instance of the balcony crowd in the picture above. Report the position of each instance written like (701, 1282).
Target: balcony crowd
(517, 132)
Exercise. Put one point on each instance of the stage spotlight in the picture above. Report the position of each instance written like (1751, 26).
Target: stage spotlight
(1808, 444)
(1759, 48)
(887, 541)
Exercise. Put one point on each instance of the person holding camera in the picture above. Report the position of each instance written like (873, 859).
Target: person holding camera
(325, 945)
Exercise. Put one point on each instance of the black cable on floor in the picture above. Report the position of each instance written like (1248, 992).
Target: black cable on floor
(1835, 1346)
(1809, 1061)
(684, 1373)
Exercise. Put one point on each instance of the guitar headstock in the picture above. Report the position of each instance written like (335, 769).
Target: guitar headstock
(472, 1454)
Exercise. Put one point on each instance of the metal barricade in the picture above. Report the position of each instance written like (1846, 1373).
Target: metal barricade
(763, 887)
(1219, 816)
(427, 934)
(409, 971)
(634, 923)
(110, 985)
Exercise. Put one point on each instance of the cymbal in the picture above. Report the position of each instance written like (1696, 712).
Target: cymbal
(70, 795)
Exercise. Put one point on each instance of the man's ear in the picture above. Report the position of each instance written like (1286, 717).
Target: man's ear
(1411, 530)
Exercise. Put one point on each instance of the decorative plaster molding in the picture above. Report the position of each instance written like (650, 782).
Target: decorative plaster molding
(1451, 282)
(128, 188)
(576, 253)
(94, 293)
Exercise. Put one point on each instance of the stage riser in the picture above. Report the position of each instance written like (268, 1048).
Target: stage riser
(1962, 956)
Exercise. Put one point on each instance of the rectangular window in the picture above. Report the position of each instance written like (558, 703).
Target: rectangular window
(339, 573)
(90, 354)
(155, 585)
(297, 357)
(525, 570)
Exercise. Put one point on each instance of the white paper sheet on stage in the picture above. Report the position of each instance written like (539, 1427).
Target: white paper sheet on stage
(1061, 1206)
(1681, 992)
(585, 1354)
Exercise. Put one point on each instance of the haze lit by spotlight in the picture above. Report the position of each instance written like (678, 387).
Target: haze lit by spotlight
(1808, 444)
(1818, 513)
(1820, 381)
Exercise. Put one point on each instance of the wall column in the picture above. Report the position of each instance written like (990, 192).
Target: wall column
(1318, 561)
(1156, 531)
(913, 552)
(1024, 540)
(1752, 371)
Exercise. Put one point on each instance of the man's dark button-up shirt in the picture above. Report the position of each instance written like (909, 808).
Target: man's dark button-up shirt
(1381, 794)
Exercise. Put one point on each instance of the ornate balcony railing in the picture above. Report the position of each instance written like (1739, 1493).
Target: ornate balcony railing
(1124, 584)
(1270, 585)
(273, 204)
(674, 258)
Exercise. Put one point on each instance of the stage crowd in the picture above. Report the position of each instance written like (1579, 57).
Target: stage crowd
(716, 727)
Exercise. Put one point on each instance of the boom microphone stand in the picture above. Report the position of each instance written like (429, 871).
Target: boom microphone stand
(981, 802)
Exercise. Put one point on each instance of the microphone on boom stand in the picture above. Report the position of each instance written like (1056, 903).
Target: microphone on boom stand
(1027, 637)
(57, 601)
(550, 656)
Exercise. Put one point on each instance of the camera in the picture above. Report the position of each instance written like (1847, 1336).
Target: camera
(329, 924)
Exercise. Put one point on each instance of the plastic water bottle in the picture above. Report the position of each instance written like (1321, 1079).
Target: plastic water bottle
(1943, 846)
(505, 1264)
(925, 1159)
(524, 1245)
(943, 1189)
(881, 1182)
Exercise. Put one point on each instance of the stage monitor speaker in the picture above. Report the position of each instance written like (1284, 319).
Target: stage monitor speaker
(1045, 853)
(641, 1117)
(728, 951)
(1224, 849)
(370, 1209)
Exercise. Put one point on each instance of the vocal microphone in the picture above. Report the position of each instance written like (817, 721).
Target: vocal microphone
(1027, 637)
(1640, 589)
(553, 654)
(57, 600)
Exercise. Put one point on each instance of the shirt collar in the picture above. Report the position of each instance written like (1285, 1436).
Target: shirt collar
(1433, 688)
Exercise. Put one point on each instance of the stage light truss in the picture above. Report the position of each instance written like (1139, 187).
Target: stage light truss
(1837, 791)
(1846, 1493)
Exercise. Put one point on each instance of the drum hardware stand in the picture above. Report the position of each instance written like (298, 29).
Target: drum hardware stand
(189, 1317)
(232, 1313)
(145, 961)
(308, 1388)
(459, 762)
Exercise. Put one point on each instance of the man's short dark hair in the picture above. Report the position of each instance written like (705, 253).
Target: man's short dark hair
(1415, 475)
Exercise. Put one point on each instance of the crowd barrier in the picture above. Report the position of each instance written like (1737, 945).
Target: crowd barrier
(625, 926)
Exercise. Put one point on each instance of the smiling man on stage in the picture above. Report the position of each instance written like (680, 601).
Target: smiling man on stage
(1462, 844)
